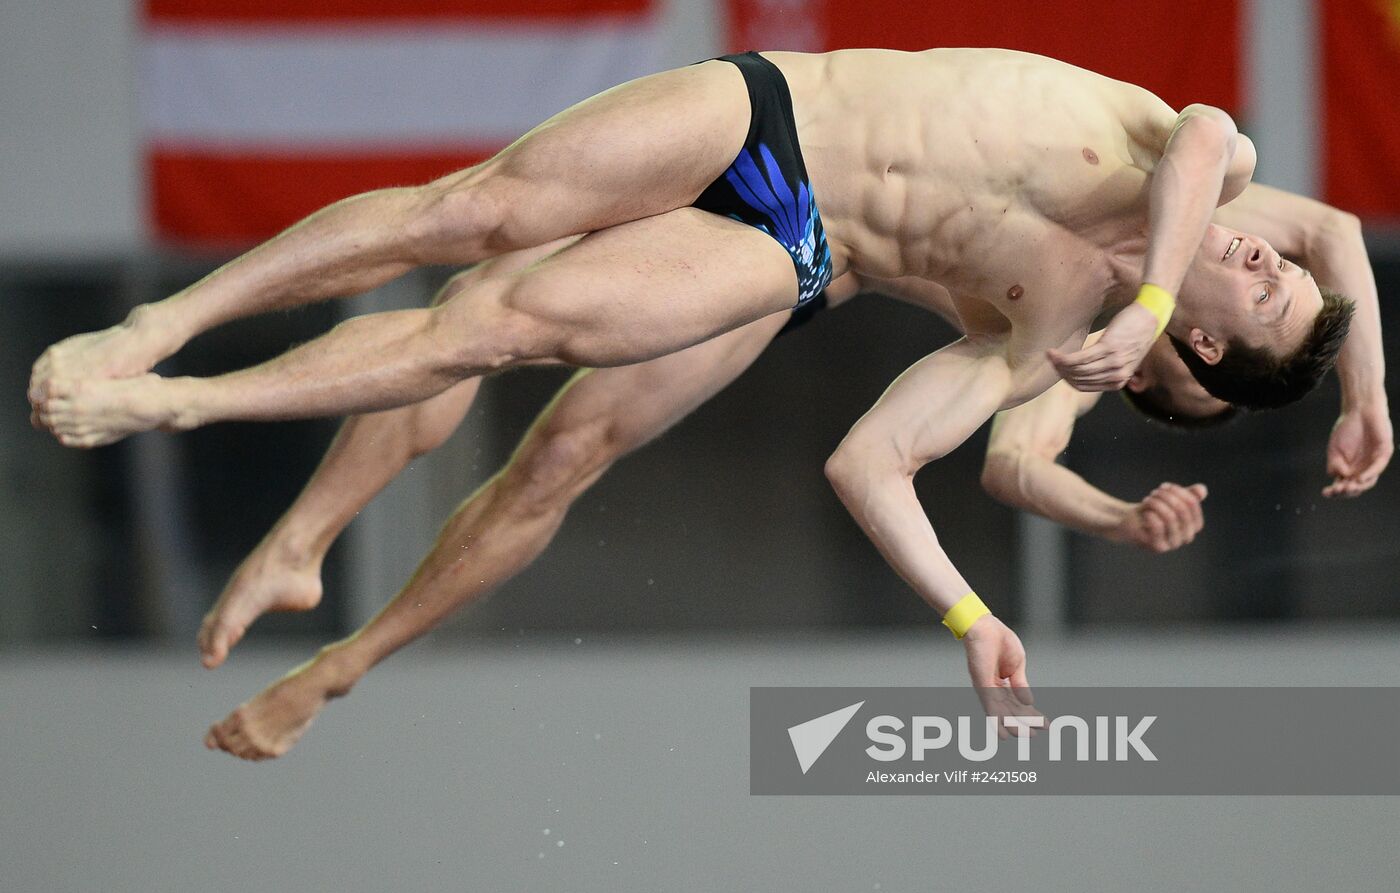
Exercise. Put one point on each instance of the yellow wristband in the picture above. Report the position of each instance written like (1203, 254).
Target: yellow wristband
(1160, 302)
(961, 616)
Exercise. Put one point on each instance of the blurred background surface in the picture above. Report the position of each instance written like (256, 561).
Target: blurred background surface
(145, 143)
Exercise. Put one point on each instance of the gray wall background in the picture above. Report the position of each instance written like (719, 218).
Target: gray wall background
(446, 767)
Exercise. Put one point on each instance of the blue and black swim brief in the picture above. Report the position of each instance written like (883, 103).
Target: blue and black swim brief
(766, 187)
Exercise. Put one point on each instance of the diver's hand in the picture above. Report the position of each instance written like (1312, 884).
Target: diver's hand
(996, 662)
(1361, 445)
(1167, 518)
(1107, 364)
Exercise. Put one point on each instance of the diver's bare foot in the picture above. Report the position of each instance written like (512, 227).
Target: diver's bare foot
(98, 412)
(274, 720)
(127, 349)
(274, 577)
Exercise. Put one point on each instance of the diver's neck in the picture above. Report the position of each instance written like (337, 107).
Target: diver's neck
(1126, 258)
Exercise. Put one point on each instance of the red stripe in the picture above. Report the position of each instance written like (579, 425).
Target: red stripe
(1360, 81)
(1185, 51)
(263, 12)
(207, 198)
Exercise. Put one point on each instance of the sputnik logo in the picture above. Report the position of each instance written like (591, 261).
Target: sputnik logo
(810, 739)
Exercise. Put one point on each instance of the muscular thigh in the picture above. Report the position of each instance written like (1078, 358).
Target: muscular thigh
(640, 290)
(499, 266)
(644, 147)
(638, 403)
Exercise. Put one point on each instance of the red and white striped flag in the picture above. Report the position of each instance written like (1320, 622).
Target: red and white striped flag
(257, 112)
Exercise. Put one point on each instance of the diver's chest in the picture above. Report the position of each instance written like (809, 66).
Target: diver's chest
(1029, 252)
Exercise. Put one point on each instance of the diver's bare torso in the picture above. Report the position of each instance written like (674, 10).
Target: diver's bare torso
(1018, 182)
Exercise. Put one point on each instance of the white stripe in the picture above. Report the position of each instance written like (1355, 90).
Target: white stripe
(1280, 53)
(380, 87)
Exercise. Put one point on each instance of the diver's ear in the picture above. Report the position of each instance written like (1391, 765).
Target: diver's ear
(1206, 347)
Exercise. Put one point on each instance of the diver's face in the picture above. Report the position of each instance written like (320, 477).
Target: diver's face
(1240, 289)
(1163, 368)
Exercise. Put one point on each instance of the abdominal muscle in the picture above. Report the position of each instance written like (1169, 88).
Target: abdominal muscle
(969, 168)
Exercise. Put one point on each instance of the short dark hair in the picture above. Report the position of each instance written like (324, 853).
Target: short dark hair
(1253, 378)
(1153, 403)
